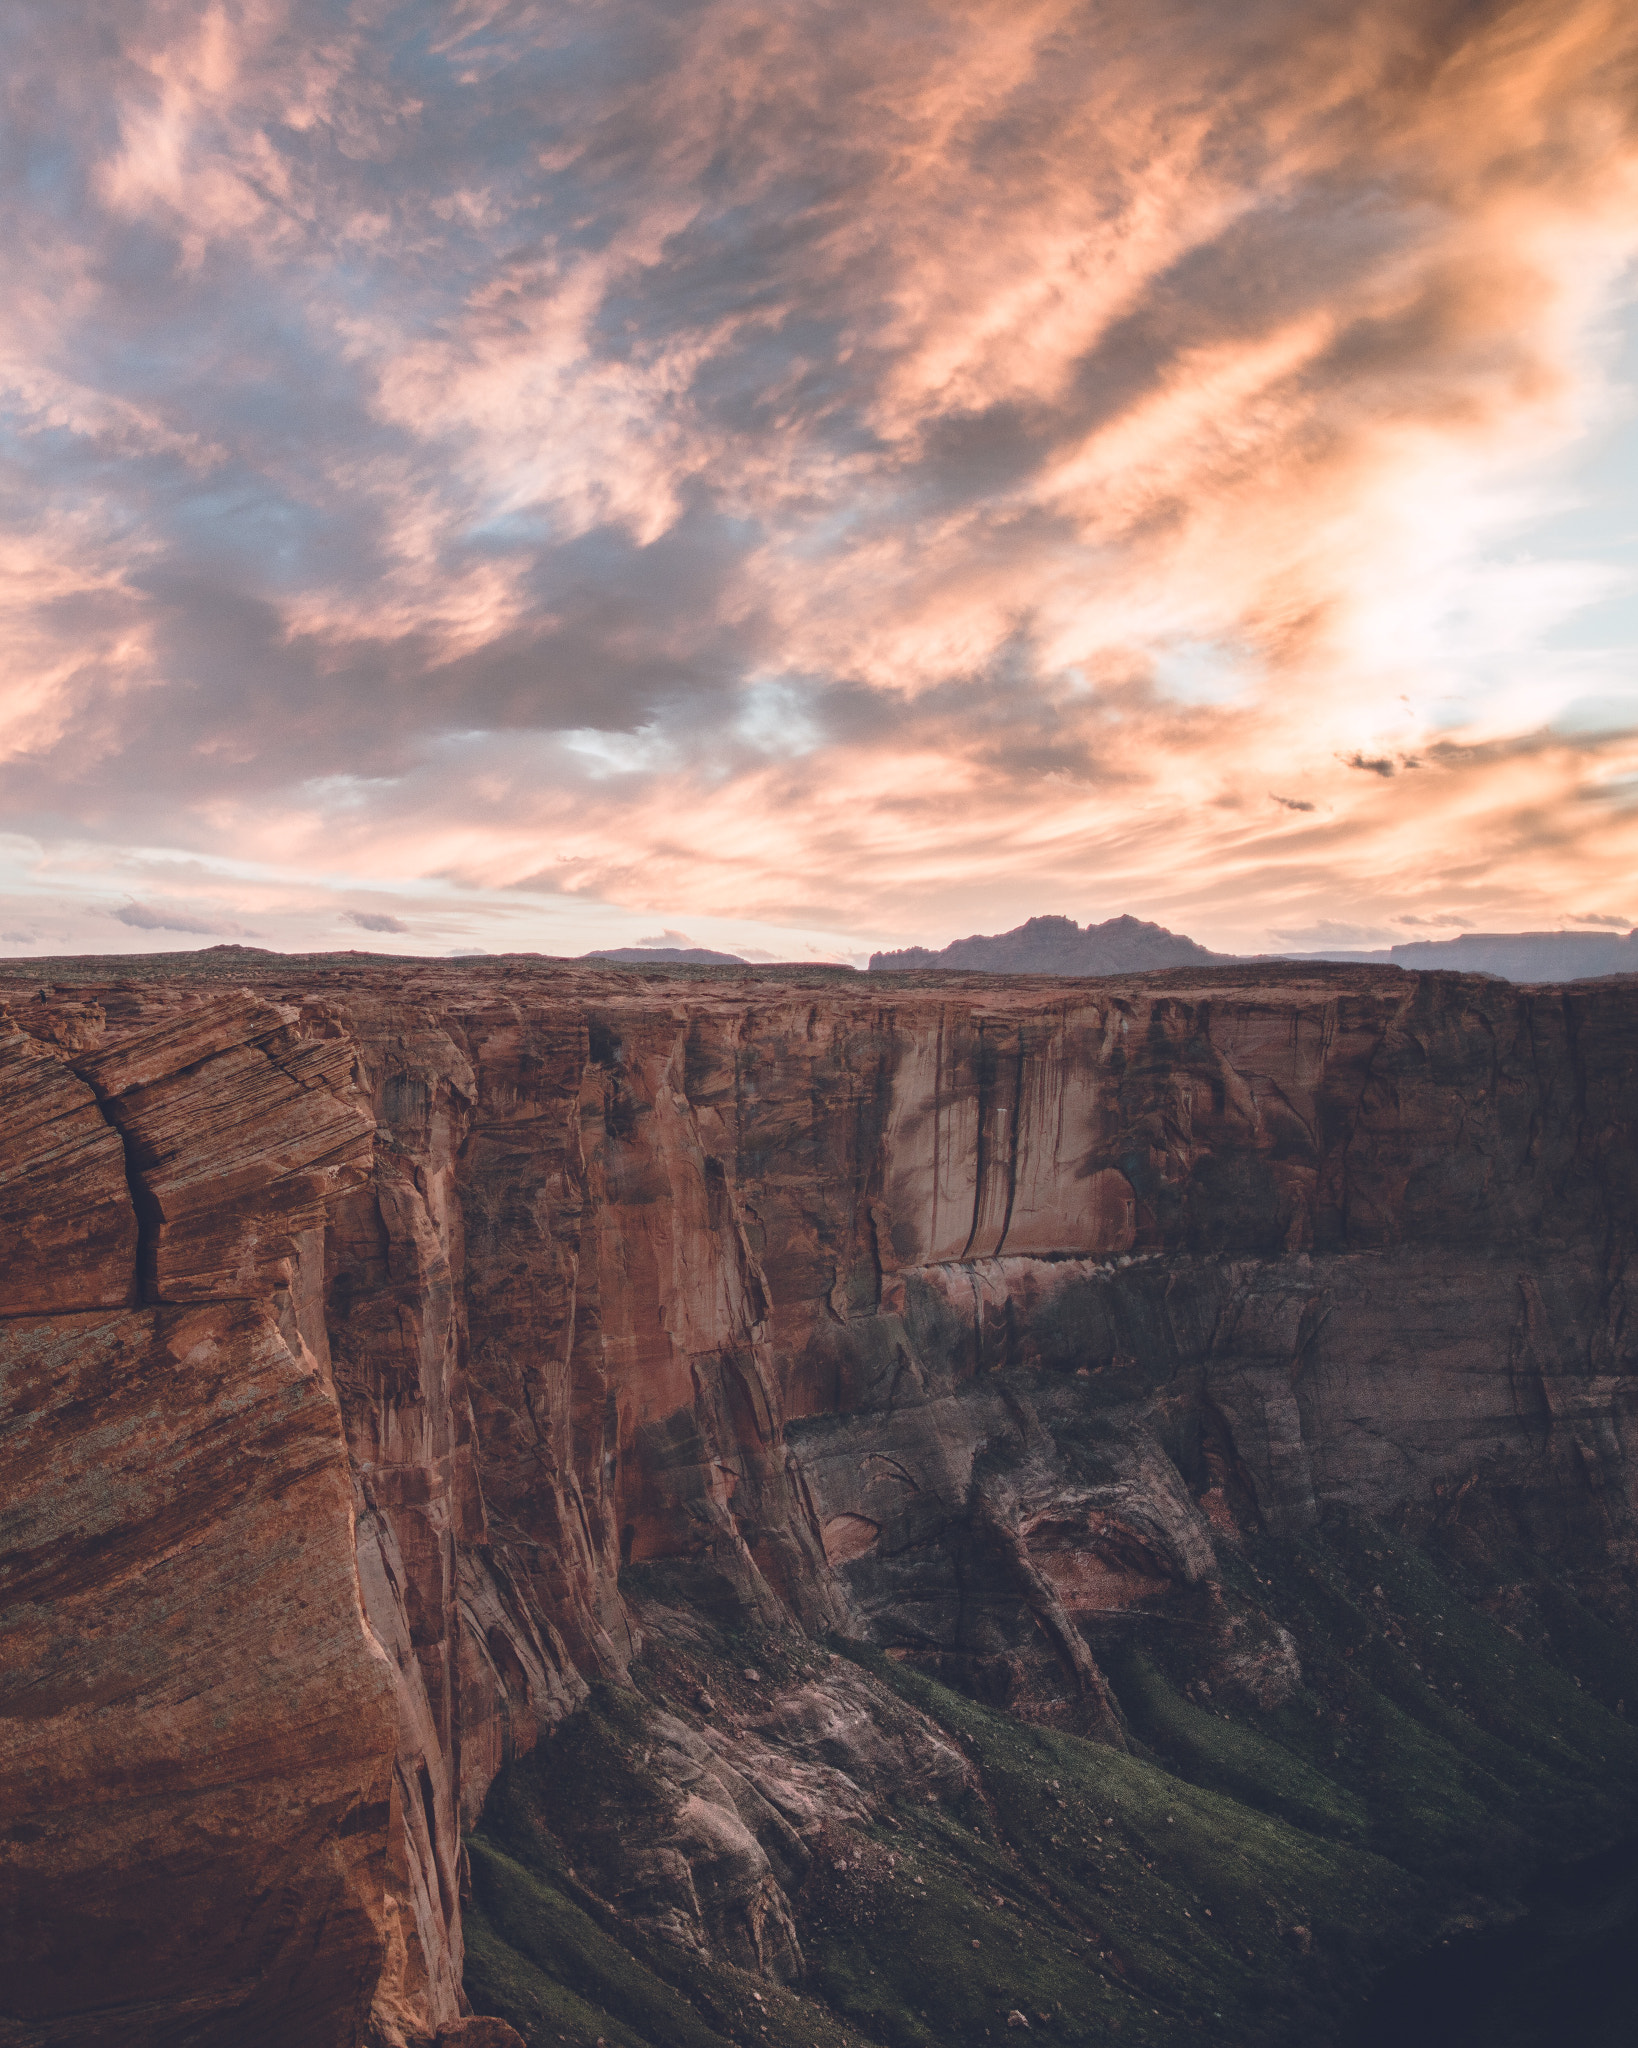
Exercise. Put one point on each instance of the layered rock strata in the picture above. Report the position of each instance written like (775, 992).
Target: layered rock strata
(371, 1331)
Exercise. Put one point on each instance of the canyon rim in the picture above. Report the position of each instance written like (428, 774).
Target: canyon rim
(691, 1505)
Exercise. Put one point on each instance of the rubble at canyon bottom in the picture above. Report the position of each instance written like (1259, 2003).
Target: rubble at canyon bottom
(669, 1507)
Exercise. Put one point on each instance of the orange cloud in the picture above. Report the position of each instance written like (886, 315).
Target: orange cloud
(880, 471)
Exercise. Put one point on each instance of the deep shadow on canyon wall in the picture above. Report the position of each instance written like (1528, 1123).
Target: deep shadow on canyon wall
(372, 1330)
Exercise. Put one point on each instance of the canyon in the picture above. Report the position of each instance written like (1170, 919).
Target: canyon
(555, 1502)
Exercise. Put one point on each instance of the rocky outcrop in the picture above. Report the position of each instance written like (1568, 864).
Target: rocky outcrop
(70, 1229)
(198, 1763)
(392, 1350)
(197, 1771)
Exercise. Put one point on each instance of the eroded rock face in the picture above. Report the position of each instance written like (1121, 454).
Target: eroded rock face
(70, 1230)
(972, 1320)
(199, 1734)
(693, 1852)
(197, 1772)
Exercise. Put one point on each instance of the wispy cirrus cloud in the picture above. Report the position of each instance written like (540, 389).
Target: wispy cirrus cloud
(868, 473)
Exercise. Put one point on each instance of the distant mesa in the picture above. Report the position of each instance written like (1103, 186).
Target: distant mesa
(686, 956)
(1058, 945)
(1128, 945)
(1513, 956)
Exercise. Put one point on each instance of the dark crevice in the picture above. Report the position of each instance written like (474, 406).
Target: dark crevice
(149, 1216)
(83, 1308)
(429, 1807)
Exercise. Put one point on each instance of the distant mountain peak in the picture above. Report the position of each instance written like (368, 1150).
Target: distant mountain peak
(1131, 945)
(1058, 945)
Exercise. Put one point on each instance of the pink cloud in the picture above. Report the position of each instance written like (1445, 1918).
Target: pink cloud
(745, 462)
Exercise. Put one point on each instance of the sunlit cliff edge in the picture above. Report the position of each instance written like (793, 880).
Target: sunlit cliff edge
(411, 1371)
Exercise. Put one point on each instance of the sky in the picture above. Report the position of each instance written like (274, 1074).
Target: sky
(815, 477)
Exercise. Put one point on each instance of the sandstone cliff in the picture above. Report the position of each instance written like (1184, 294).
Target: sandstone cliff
(394, 1355)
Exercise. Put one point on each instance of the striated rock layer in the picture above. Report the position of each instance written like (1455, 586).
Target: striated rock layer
(372, 1330)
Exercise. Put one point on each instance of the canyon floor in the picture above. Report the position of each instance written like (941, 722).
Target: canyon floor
(684, 1506)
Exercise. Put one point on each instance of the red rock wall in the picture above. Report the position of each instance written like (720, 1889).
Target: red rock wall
(198, 1732)
(513, 1279)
